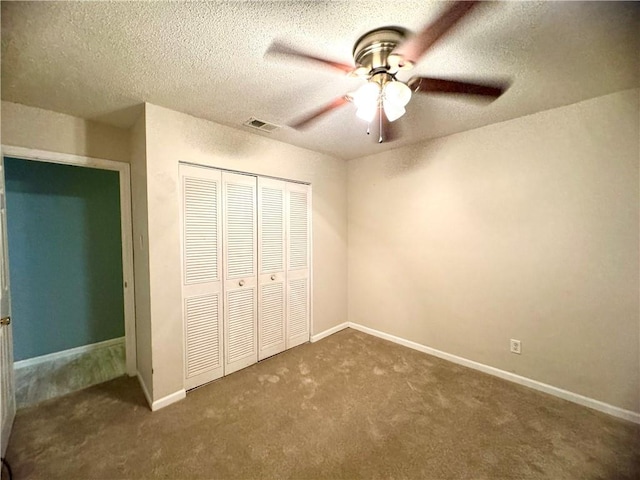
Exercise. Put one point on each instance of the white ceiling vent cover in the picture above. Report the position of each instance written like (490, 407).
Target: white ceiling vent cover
(260, 125)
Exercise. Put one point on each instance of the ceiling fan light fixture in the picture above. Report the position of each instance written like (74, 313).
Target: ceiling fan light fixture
(367, 95)
(367, 99)
(393, 111)
(367, 113)
(397, 93)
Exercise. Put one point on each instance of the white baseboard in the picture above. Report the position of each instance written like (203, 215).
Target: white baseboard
(67, 353)
(512, 377)
(330, 331)
(162, 402)
(168, 400)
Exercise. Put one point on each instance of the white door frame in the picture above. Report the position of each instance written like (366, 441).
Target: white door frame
(7, 381)
(126, 228)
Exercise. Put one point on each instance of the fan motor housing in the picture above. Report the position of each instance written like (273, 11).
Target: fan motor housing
(372, 50)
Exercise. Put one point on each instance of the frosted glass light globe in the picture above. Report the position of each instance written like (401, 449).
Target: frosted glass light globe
(366, 99)
(367, 113)
(367, 95)
(392, 111)
(397, 93)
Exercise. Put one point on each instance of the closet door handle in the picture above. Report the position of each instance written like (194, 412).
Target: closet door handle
(5, 321)
(241, 283)
(273, 277)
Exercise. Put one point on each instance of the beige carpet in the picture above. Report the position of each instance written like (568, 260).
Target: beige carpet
(349, 406)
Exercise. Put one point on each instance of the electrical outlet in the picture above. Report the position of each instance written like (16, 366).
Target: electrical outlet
(516, 347)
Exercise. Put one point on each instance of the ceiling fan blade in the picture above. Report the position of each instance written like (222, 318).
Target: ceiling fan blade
(414, 47)
(307, 120)
(277, 48)
(441, 85)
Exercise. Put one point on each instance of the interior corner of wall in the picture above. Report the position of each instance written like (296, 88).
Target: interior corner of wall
(146, 388)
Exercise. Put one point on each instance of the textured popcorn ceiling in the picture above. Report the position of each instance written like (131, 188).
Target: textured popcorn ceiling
(97, 60)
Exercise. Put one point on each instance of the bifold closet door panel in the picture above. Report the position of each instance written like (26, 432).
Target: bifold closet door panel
(240, 271)
(271, 264)
(298, 210)
(201, 274)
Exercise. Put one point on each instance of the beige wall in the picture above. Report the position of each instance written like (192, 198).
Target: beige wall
(526, 229)
(174, 137)
(141, 252)
(39, 129)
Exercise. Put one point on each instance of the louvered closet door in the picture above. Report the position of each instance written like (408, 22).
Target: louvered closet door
(240, 271)
(271, 264)
(201, 274)
(298, 211)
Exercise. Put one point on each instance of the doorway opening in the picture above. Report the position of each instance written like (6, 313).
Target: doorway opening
(70, 264)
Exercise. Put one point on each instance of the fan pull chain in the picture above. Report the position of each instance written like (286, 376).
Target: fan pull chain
(380, 135)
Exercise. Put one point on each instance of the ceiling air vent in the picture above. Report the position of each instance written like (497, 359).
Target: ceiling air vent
(260, 125)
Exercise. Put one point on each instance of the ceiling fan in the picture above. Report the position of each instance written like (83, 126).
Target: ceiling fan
(379, 55)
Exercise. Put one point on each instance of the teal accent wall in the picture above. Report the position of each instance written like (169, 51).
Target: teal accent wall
(65, 256)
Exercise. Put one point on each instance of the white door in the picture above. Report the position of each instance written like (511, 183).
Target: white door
(298, 258)
(271, 264)
(7, 393)
(240, 272)
(201, 274)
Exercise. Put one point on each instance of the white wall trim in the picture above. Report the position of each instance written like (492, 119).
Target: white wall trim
(62, 158)
(29, 362)
(329, 331)
(512, 377)
(311, 262)
(168, 400)
(123, 170)
(147, 395)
